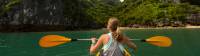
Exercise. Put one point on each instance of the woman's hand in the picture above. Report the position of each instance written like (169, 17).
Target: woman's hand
(92, 47)
(93, 39)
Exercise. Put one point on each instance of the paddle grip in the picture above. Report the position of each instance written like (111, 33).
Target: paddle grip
(143, 40)
(74, 40)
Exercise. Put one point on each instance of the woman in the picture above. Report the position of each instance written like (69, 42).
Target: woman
(112, 42)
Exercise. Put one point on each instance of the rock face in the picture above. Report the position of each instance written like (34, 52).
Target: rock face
(43, 15)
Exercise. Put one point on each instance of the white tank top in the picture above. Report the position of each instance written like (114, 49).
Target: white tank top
(106, 46)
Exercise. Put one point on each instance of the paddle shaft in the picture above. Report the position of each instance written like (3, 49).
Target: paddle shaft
(54, 40)
(97, 39)
(143, 40)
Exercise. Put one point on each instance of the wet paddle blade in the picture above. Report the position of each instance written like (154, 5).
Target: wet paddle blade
(53, 40)
(161, 41)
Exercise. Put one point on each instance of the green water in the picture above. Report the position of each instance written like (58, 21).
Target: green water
(185, 43)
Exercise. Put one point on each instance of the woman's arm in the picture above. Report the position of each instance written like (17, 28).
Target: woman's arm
(130, 44)
(95, 46)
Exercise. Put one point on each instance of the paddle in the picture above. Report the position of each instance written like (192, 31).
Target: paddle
(54, 40)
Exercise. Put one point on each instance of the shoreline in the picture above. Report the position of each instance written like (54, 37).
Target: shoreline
(162, 27)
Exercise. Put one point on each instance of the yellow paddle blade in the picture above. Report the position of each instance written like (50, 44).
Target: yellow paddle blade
(53, 40)
(161, 41)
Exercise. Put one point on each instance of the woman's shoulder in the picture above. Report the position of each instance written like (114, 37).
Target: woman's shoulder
(104, 35)
(104, 38)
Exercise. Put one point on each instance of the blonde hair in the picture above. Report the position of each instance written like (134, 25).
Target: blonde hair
(116, 32)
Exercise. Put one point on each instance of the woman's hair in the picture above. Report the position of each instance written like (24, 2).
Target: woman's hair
(113, 26)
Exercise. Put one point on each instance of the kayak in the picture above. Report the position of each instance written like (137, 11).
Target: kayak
(126, 53)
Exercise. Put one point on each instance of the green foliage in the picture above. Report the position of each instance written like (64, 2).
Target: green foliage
(8, 6)
(142, 11)
(129, 11)
(101, 11)
(145, 13)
